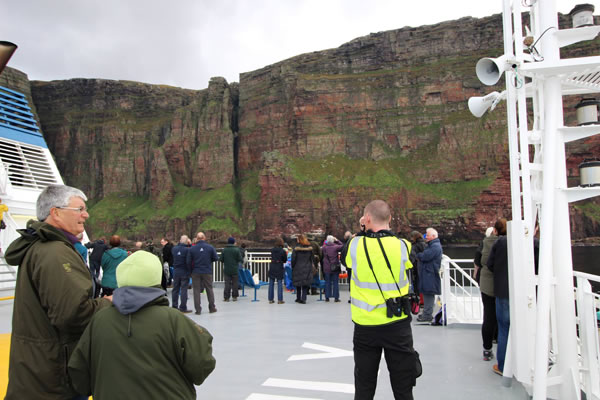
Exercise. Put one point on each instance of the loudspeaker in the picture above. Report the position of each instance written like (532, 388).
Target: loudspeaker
(6, 51)
(479, 105)
(489, 70)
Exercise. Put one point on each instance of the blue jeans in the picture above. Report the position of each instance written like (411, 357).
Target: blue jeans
(332, 285)
(272, 289)
(503, 318)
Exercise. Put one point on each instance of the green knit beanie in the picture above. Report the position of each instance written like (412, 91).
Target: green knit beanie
(139, 269)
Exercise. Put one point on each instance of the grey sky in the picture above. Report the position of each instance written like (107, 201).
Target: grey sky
(186, 42)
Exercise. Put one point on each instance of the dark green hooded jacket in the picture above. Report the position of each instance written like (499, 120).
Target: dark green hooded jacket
(141, 349)
(231, 258)
(53, 305)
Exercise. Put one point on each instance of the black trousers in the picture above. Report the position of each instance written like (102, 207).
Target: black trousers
(301, 292)
(231, 286)
(489, 328)
(397, 344)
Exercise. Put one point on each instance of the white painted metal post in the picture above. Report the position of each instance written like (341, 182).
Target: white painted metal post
(555, 250)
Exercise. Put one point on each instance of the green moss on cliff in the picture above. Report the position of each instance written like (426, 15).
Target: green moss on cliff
(590, 210)
(384, 176)
(216, 208)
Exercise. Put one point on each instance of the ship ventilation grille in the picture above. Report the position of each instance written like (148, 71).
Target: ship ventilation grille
(27, 166)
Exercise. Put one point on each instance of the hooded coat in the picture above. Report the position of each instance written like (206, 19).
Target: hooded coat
(143, 348)
(430, 261)
(53, 305)
(110, 261)
(302, 266)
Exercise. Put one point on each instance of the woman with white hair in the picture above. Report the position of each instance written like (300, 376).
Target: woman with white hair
(332, 267)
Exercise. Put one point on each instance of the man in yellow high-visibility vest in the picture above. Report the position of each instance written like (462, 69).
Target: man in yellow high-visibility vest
(380, 305)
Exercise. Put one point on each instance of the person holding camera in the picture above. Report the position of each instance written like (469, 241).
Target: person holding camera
(380, 305)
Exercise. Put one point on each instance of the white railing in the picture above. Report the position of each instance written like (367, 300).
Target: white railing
(588, 304)
(460, 292)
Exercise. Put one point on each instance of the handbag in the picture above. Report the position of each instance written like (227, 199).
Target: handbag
(335, 266)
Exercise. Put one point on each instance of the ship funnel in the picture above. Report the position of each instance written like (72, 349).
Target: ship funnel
(6, 51)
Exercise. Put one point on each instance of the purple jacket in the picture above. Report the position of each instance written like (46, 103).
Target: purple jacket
(330, 254)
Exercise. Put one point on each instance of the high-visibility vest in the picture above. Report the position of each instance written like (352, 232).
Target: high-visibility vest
(367, 303)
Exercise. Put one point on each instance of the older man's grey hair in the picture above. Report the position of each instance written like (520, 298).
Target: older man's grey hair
(55, 196)
(433, 232)
(330, 239)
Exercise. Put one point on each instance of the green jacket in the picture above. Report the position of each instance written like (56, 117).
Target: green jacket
(53, 305)
(141, 348)
(231, 258)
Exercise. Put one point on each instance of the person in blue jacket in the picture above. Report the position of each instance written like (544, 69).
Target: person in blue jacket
(430, 283)
(199, 259)
(181, 275)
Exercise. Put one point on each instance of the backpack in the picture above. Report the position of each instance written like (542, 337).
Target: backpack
(440, 317)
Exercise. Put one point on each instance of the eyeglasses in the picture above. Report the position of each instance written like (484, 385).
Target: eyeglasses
(81, 209)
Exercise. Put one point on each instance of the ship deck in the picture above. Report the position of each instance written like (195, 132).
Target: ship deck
(294, 351)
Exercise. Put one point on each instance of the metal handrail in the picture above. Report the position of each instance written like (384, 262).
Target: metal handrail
(456, 302)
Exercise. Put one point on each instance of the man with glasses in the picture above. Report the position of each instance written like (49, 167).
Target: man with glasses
(54, 299)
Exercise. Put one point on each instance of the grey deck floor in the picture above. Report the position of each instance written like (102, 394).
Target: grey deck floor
(253, 343)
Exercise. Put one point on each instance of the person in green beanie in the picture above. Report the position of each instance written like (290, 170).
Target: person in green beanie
(118, 352)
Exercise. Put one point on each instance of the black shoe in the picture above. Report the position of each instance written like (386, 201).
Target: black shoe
(488, 355)
(213, 311)
(226, 300)
(235, 299)
(297, 301)
(337, 300)
(421, 318)
(271, 302)
(186, 311)
(327, 300)
(198, 312)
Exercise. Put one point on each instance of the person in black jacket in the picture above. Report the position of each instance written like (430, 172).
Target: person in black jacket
(98, 247)
(418, 246)
(278, 258)
(167, 257)
(498, 263)
(302, 268)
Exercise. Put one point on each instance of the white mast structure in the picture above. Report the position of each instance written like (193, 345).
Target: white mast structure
(552, 351)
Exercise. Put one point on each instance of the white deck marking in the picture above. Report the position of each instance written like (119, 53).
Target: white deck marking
(328, 352)
(310, 385)
(261, 396)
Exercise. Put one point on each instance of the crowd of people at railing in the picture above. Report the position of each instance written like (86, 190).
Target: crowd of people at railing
(63, 287)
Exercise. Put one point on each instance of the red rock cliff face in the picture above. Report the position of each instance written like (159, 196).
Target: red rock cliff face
(111, 137)
(397, 95)
(304, 144)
